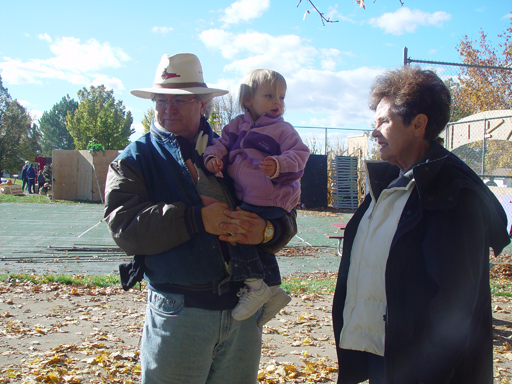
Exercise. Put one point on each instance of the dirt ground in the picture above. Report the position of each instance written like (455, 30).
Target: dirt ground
(52, 333)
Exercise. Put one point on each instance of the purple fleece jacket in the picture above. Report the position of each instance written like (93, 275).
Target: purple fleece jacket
(244, 144)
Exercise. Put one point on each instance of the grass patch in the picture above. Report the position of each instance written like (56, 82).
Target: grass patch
(308, 286)
(39, 199)
(501, 287)
(296, 285)
(89, 281)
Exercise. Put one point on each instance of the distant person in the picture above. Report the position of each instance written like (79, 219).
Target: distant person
(31, 179)
(265, 157)
(440, 140)
(412, 302)
(24, 176)
(40, 181)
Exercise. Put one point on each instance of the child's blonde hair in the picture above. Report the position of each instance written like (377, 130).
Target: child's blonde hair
(254, 79)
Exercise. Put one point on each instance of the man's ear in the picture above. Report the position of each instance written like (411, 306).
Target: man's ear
(420, 124)
(203, 107)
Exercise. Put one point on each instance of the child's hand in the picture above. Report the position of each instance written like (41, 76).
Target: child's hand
(214, 165)
(268, 166)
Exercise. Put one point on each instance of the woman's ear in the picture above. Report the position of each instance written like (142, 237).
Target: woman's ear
(420, 124)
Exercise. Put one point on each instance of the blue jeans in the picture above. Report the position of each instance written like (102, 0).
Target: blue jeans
(251, 262)
(182, 345)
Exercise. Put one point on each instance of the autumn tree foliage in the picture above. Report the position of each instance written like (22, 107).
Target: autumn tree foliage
(101, 118)
(484, 89)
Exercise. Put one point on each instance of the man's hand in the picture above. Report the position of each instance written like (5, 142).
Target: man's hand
(213, 216)
(243, 227)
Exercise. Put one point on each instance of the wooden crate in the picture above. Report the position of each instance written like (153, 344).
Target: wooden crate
(77, 174)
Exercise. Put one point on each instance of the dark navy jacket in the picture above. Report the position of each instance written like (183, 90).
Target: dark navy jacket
(153, 208)
(438, 322)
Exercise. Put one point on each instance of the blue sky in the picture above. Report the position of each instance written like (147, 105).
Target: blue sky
(52, 48)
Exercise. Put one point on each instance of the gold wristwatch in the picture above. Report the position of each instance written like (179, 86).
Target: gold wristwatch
(268, 234)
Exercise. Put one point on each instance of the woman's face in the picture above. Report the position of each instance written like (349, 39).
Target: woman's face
(399, 144)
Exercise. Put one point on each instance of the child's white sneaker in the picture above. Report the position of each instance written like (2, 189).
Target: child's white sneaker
(250, 301)
(273, 306)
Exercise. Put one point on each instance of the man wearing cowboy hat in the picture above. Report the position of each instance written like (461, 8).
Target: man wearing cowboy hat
(162, 203)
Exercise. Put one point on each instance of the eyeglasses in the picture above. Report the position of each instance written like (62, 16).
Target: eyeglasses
(178, 103)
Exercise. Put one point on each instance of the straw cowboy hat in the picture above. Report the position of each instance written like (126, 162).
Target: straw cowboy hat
(180, 74)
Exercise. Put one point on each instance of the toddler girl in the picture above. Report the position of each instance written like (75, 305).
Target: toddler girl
(265, 157)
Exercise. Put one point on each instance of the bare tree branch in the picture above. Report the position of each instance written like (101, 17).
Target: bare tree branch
(322, 17)
(328, 20)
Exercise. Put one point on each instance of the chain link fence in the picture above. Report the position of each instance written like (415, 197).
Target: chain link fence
(480, 129)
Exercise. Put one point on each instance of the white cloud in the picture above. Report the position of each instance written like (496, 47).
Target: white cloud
(334, 15)
(162, 30)
(507, 16)
(330, 58)
(328, 97)
(432, 51)
(328, 64)
(73, 61)
(407, 20)
(71, 54)
(335, 99)
(250, 50)
(108, 82)
(35, 115)
(243, 11)
(44, 36)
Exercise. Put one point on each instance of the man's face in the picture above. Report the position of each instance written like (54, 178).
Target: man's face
(179, 114)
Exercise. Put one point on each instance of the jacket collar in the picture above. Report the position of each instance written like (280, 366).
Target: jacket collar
(381, 174)
(263, 120)
(205, 134)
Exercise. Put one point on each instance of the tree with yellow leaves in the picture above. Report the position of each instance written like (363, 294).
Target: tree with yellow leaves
(484, 89)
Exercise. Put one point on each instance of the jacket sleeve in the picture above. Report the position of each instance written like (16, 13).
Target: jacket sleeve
(456, 254)
(293, 158)
(285, 228)
(221, 145)
(137, 225)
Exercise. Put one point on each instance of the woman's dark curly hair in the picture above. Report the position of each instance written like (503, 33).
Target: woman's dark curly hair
(412, 91)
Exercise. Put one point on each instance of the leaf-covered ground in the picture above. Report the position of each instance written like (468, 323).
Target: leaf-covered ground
(53, 333)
